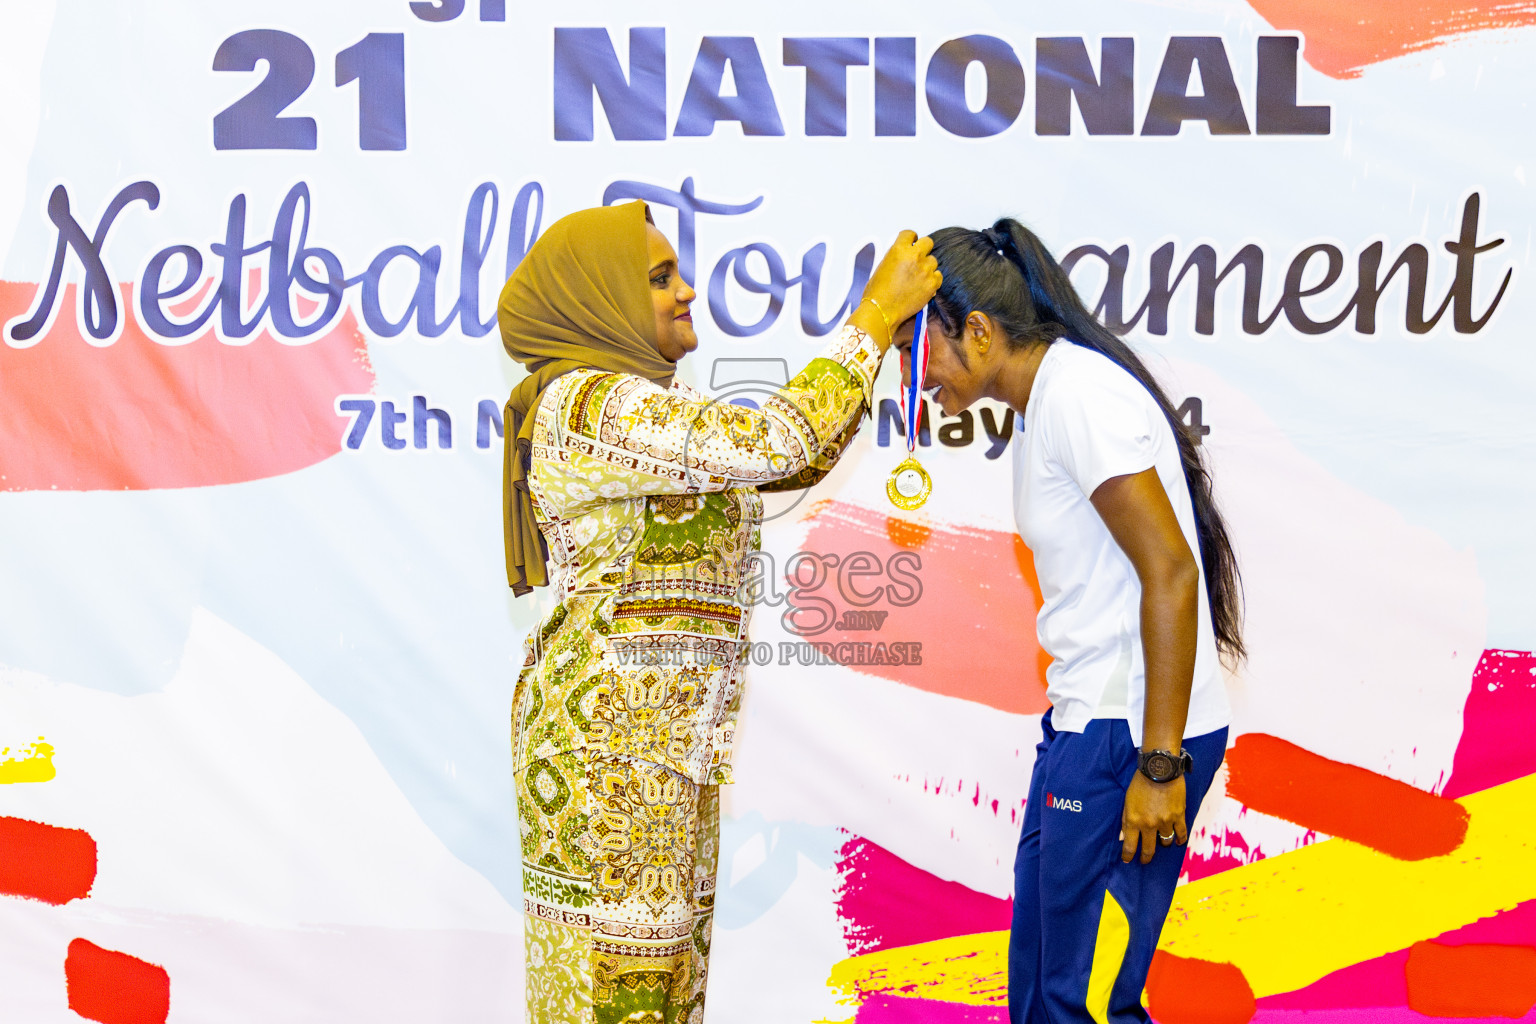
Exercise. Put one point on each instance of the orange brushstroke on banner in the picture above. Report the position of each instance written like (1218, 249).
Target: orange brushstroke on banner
(1270, 775)
(33, 763)
(1342, 38)
(45, 862)
(904, 533)
(1472, 980)
(1183, 990)
(115, 988)
(975, 615)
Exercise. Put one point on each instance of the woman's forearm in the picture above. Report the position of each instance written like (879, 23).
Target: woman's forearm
(1169, 630)
(1136, 510)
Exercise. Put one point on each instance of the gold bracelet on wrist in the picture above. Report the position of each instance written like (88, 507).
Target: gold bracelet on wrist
(890, 332)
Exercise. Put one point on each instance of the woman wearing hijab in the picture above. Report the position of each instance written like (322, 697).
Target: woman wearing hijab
(636, 501)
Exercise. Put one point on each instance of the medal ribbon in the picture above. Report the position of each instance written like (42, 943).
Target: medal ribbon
(912, 395)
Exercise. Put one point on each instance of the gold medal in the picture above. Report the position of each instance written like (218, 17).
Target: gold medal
(909, 485)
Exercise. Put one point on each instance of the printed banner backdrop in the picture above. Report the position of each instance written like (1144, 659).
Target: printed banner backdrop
(256, 645)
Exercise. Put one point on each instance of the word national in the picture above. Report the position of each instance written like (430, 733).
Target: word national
(587, 65)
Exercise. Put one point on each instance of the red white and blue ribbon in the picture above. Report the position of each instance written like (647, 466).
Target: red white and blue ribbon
(912, 395)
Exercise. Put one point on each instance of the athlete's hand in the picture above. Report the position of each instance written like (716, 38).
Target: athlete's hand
(1152, 810)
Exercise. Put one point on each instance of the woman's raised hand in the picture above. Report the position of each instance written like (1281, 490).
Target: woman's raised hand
(904, 281)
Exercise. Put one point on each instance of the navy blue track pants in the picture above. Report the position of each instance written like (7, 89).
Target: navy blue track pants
(1085, 924)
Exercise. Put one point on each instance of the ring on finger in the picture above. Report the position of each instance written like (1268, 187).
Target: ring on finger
(1168, 839)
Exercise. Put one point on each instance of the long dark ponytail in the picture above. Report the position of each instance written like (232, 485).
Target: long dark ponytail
(1007, 273)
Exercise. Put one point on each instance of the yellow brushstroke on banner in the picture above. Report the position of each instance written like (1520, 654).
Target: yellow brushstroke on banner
(1285, 922)
(971, 969)
(1354, 903)
(30, 764)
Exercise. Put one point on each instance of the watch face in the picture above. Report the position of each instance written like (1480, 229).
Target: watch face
(1160, 767)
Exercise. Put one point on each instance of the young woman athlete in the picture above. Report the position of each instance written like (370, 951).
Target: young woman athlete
(1141, 594)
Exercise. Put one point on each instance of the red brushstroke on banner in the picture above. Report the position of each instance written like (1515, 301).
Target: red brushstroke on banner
(136, 414)
(1499, 716)
(976, 614)
(1344, 38)
(45, 862)
(1183, 990)
(1270, 775)
(115, 988)
(1471, 981)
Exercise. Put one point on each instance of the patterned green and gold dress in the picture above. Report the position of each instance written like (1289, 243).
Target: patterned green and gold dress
(626, 707)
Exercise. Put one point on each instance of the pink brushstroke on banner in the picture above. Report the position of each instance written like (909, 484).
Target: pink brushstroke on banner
(885, 902)
(883, 1009)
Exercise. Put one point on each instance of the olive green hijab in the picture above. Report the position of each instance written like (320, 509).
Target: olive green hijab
(580, 298)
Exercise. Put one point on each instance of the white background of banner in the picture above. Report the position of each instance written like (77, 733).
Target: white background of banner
(280, 706)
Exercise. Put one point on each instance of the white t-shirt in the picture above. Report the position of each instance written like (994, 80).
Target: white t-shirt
(1089, 420)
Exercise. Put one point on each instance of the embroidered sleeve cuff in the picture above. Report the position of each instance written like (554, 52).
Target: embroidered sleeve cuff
(856, 351)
